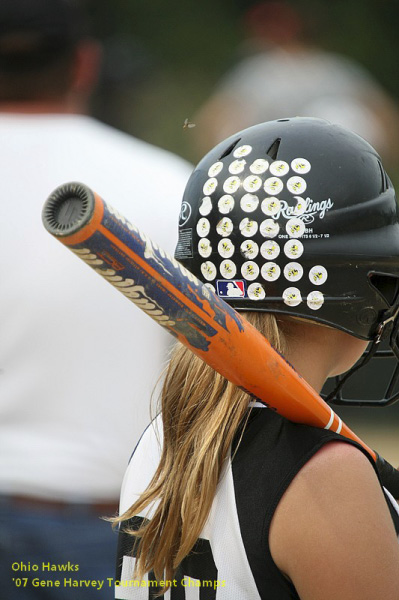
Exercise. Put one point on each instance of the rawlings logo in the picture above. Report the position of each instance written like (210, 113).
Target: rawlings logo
(312, 209)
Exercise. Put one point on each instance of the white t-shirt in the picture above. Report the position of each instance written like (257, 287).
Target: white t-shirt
(78, 361)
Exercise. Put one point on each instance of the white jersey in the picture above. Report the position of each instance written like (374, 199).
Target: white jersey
(78, 361)
(231, 560)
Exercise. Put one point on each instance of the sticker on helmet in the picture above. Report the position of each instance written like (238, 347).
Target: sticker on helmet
(279, 168)
(226, 248)
(318, 275)
(249, 249)
(250, 270)
(204, 248)
(206, 206)
(210, 186)
(270, 249)
(215, 169)
(300, 165)
(256, 291)
(300, 207)
(295, 227)
(273, 186)
(224, 227)
(269, 228)
(296, 185)
(231, 184)
(252, 183)
(242, 151)
(270, 271)
(228, 269)
(230, 289)
(293, 271)
(249, 202)
(292, 296)
(315, 300)
(226, 204)
(203, 227)
(208, 270)
(237, 166)
(209, 286)
(259, 166)
(293, 248)
(248, 227)
(271, 206)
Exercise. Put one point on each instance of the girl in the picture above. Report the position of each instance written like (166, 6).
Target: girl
(294, 222)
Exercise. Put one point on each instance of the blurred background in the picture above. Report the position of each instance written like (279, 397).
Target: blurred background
(165, 62)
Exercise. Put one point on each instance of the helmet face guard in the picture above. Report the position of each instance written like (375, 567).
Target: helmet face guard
(298, 217)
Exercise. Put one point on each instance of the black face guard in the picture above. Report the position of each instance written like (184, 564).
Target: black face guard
(387, 328)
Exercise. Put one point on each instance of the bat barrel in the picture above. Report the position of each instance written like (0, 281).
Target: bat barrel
(69, 208)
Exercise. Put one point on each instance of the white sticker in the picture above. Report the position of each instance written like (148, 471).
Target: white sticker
(224, 227)
(300, 207)
(228, 269)
(249, 249)
(256, 291)
(270, 271)
(210, 186)
(293, 271)
(279, 168)
(242, 151)
(203, 227)
(204, 248)
(269, 228)
(252, 183)
(250, 270)
(296, 185)
(248, 227)
(270, 249)
(226, 248)
(215, 169)
(208, 270)
(210, 287)
(226, 204)
(318, 275)
(271, 206)
(292, 296)
(293, 248)
(273, 186)
(300, 165)
(259, 166)
(249, 202)
(237, 166)
(231, 184)
(295, 227)
(315, 300)
(206, 206)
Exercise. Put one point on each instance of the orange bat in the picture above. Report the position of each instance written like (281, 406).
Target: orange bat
(177, 300)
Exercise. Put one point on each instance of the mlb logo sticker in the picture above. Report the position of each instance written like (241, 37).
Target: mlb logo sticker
(231, 288)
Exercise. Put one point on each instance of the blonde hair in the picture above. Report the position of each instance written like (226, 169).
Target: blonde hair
(201, 414)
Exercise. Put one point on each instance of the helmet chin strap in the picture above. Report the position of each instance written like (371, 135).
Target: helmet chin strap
(382, 331)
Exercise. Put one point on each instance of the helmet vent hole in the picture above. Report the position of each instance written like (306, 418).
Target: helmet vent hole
(386, 285)
(384, 178)
(274, 148)
(230, 149)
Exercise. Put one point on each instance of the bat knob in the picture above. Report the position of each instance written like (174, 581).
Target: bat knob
(68, 209)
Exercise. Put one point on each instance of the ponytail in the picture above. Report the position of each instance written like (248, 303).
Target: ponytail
(201, 414)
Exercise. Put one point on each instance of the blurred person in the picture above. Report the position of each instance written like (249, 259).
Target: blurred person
(283, 72)
(71, 350)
